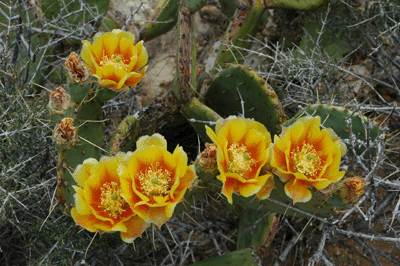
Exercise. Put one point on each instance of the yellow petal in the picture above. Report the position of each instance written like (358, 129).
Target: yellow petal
(142, 56)
(80, 204)
(87, 55)
(156, 140)
(84, 171)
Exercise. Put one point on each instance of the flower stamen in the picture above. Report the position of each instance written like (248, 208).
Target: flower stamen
(307, 160)
(116, 61)
(111, 200)
(155, 181)
(240, 160)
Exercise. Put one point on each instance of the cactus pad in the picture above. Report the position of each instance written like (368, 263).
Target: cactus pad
(260, 100)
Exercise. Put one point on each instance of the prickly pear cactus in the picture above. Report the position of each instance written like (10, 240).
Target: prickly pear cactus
(238, 90)
(235, 90)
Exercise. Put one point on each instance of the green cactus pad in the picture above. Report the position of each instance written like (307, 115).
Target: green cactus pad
(330, 41)
(244, 24)
(79, 91)
(260, 100)
(52, 8)
(195, 5)
(126, 130)
(104, 94)
(254, 228)
(241, 257)
(228, 7)
(165, 16)
(335, 118)
(90, 130)
(196, 112)
(295, 4)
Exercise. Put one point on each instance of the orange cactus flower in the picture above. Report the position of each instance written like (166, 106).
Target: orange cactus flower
(154, 181)
(100, 204)
(243, 149)
(114, 59)
(305, 156)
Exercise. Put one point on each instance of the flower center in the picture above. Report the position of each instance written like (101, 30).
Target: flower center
(307, 160)
(240, 160)
(111, 200)
(116, 61)
(155, 181)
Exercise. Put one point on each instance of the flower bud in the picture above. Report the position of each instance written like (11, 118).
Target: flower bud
(351, 189)
(77, 71)
(65, 134)
(60, 100)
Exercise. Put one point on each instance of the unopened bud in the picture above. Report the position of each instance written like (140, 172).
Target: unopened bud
(65, 134)
(77, 70)
(60, 100)
(351, 189)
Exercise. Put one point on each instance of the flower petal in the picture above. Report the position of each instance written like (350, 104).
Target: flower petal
(298, 191)
(135, 228)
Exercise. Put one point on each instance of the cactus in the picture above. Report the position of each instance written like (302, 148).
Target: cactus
(165, 16)
(245, 23)
(198, 113)
(126, 130)
(195, 5)
(326, 39)
(58, 9)
(293, 4)
(237, 83)
(228, 7)
(90, 132)
(235, 90)
(185, 79)
(255, 228)
(241, 257)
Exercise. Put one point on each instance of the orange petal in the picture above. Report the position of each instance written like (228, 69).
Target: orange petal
(265, 190)
(132, 79)
(127, 50)
(298, 191)
(136, 226)
(157, 216)
(228, 188)
(86, 221)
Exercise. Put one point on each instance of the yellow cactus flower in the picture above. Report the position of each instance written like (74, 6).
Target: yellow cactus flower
(305, 156)
(154, 181)
(114, 59)
(243, 149)
(99, 203)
